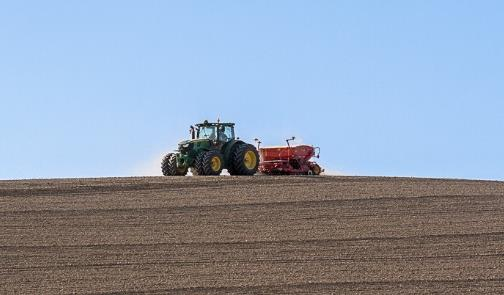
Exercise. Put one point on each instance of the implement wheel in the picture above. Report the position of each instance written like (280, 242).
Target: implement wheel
(316, 170)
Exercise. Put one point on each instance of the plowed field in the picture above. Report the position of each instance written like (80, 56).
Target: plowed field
(288, 235)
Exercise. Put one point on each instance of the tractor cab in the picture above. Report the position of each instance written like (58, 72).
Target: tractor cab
(220, 132)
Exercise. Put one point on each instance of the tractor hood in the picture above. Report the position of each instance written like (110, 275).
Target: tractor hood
(192, 144)
(195, 141)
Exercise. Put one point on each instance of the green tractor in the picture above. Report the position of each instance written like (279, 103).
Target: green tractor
(212, 147)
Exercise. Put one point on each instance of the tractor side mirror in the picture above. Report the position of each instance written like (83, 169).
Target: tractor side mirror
(191, 131)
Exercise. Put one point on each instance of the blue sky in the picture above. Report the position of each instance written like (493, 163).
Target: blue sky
(104, 88)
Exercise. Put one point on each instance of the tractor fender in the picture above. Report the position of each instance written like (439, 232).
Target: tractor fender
(228, 147)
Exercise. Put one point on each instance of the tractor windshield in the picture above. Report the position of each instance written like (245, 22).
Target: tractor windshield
(207, 132)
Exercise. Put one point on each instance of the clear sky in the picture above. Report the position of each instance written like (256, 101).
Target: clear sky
(104, 88)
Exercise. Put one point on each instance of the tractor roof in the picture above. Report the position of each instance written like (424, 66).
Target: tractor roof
(206, 123)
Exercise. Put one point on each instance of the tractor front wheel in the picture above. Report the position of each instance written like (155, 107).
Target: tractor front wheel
(208, 163)
(169, 165)
(212, 163)
(198, 165)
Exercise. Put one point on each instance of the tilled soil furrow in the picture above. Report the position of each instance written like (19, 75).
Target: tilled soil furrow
(282, 235)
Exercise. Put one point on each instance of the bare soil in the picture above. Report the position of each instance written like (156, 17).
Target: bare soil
(281, 235)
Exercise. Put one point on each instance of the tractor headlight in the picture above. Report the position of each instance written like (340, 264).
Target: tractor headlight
(185, 147)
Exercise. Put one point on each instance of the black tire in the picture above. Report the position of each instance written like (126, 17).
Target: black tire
(212, 163)
(230, 164)
(231, 171)
(198, 169)
(238, 160)
(169, 165)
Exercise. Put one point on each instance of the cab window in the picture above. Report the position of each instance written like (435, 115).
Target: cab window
(226, 133)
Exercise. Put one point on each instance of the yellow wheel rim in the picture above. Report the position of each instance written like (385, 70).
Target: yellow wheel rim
(250, 160)
(215, 163)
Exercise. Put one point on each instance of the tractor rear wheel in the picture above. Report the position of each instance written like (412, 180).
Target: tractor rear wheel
(169, 165)
(230, 165)
(212, 163)
(244, 160)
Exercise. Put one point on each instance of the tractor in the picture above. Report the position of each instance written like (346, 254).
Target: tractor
(212, 147)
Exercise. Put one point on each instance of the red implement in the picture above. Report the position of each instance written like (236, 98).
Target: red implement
(289, 160)
(304, 152)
